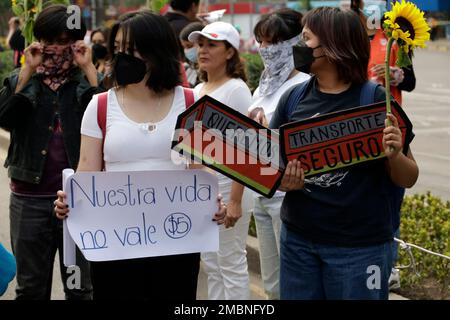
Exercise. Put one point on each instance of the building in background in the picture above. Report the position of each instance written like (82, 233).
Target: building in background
(245, 14)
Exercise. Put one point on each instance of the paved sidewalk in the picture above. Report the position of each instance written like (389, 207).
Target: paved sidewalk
(440, 45)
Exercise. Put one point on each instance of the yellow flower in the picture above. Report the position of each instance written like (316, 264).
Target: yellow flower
(13, 2)
(22, 60)
(399, 34)
(406, 23)
(391, 24)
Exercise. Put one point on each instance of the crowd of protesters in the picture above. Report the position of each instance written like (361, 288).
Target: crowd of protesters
(317, 236)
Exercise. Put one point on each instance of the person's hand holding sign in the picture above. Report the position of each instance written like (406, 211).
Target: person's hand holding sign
(392, 138)
(259, 116)
(293, 178)
(221, 216)
(61, 207)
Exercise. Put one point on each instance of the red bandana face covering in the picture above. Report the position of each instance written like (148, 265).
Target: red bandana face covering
(57, 62)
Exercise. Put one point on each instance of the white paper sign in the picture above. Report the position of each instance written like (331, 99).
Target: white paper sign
(126, 215)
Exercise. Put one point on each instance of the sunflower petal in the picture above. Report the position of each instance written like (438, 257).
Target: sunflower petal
(410, 12)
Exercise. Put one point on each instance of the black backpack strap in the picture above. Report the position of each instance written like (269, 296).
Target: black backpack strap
(368, 92)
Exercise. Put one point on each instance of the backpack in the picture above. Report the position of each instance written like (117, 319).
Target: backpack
(102, 108)
(367, 96)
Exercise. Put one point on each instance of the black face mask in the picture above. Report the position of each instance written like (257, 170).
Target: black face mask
(99, 51)
(304, 57)
(129, 69)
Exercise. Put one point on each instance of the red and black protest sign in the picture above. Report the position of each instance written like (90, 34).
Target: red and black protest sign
(341, 139)
(230, 143)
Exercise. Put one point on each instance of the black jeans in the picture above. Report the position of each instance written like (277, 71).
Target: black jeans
(36, 234)
(155, 278)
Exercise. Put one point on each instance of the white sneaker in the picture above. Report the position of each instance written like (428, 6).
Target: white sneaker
(394, 279)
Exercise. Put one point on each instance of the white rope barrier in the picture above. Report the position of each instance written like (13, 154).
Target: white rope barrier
(405, 245)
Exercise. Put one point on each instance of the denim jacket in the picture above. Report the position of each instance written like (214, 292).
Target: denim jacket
(29, 116)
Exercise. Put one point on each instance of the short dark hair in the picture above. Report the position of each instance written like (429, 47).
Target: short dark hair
(343, 39)
(182, 5)
(235, 66)
(188, 29)
(51, 23)
(152, 36)
(280, 25)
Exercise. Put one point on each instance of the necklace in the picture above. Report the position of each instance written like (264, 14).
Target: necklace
(148, 127)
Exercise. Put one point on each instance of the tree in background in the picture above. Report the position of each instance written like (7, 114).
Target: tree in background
(305, 4)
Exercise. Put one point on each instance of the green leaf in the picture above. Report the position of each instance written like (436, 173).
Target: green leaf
(18, 10)
(403, 59)
(28, 31)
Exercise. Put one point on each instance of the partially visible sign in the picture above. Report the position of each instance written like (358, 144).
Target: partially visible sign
(127, 215)
(230, 143)
(340, 139)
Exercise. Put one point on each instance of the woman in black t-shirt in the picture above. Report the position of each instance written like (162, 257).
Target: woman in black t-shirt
(337, 232)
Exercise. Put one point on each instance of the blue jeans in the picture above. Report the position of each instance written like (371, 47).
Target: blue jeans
(311, 271)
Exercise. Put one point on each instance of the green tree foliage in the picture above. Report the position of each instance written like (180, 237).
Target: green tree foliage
(6, 65)
(254, 66)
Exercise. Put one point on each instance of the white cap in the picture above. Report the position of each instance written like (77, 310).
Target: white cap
(219, 31)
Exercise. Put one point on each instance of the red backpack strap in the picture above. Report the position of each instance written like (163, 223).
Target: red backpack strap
(188, 97)
(102, 107)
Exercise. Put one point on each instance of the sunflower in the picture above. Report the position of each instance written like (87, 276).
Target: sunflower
(407, 25)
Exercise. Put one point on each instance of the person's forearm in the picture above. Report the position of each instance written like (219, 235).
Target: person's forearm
(9, 36)
(404, 170)
(237, 190)
(91, 74)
